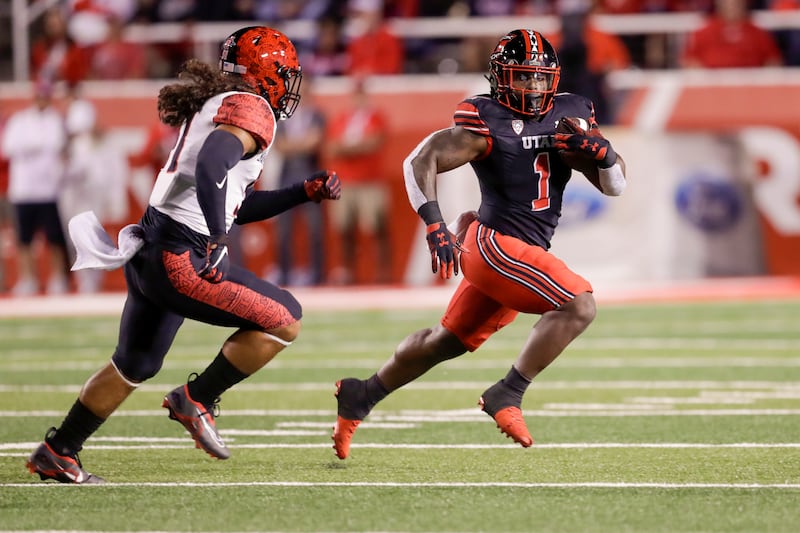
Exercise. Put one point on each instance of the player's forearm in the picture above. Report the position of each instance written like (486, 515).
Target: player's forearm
(261, 205)
(419, 175)
(612, 180)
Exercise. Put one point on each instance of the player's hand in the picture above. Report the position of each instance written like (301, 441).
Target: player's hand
(323, 185)
(217, 262)
(444, 250)
(459, 226)
(594, 147)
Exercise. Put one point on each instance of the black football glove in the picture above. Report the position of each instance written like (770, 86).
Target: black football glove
(215, 269)
(594, 147)
(444, 250)
(323, 185)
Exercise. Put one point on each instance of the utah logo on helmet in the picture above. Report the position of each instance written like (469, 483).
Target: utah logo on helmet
(267, 60)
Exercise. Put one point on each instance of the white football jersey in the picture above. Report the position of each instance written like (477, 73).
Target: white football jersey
(174, 192)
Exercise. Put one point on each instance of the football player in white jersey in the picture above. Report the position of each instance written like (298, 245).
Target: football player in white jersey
(227, 118)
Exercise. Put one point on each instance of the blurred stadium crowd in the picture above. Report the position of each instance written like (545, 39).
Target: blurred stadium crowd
(76, 40)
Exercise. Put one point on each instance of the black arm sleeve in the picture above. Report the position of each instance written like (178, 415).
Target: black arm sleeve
(220, 152)
(261, 205)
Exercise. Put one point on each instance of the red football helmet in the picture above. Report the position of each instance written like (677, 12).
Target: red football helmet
(524, 73)
(267, 60)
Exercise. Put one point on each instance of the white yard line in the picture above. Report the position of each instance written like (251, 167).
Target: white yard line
(161, 444)
(703, 385)
(444, 484)
(471, 415)
(569, 361)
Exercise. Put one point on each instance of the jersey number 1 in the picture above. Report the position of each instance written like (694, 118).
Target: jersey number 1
(541, 169)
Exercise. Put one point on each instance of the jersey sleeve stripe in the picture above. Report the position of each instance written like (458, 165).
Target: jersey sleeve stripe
(467, 116)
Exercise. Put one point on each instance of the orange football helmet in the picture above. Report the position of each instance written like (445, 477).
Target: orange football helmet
(267, 60)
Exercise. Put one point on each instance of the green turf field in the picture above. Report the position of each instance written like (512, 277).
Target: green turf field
(660, 418)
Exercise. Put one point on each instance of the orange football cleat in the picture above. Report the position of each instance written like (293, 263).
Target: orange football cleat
(342, 434)
(350, 411)
(511, 423)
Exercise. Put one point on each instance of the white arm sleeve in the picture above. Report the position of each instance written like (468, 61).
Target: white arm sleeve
(415, 194)
(612, 180)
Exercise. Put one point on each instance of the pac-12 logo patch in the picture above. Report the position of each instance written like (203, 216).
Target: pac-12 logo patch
(517, 126)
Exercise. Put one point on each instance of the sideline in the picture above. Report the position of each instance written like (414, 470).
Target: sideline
(433, 297)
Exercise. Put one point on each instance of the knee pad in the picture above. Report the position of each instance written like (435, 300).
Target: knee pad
(136, 367)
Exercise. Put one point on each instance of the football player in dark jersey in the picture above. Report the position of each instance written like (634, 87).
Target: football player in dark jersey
(511, 139)
(178, 266)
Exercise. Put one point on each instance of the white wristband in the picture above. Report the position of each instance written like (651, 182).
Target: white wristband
(612, 180)
(415, 195)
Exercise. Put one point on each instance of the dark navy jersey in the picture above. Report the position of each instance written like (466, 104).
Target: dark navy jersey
(522, 178)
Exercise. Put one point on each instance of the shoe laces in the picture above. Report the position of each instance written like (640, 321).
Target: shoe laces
(48, 436)
(213, 407)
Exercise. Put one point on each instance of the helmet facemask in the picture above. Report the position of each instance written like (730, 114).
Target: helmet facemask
(514, 90)
(291, 97)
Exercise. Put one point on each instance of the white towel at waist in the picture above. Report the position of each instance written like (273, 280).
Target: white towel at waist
(94, 246)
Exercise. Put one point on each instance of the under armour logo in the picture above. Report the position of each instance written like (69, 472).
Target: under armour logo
(442, 239)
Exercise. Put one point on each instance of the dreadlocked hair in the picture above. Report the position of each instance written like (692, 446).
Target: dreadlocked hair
(178, 102)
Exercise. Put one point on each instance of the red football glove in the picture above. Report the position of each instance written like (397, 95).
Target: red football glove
(592, 144)
(323, 185)
(444, 250)
(217, 262)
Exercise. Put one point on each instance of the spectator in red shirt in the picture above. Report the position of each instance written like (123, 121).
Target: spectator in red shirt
(6, 214)
(622, 7)
(117, 59)
(374, 49)
(327, 55)
(54, 55)
(682, 6)
(729, 39)
(355, 139)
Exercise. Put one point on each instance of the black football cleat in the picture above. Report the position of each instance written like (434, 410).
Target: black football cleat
(198, 421)
(63, 468)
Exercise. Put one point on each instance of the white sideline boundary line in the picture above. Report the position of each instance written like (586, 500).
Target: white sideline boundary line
(735, 387)
(443, 484)
(472, 416)
(160, 444)
(430, 297)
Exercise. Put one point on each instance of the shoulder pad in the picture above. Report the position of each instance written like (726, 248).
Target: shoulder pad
(468, 117)
(249, 112)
